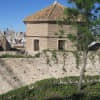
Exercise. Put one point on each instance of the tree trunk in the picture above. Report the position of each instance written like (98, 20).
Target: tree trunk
(82, 70)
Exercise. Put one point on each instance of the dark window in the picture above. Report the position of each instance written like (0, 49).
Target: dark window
(61, 44)
(36, 45)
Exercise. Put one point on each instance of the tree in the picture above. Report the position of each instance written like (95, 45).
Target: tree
(81, 17)
(82, 11)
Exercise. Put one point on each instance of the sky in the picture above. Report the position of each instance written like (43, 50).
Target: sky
(12, 12)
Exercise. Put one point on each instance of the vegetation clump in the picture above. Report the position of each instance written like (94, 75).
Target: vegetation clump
(15, 56)
(57, 89)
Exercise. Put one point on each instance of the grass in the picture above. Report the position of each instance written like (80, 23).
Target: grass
(14, 56)
(53, 89)
(19, 56)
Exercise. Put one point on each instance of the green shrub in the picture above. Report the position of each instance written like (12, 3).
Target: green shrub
(14, 56)
(52, 89)
(37, 55)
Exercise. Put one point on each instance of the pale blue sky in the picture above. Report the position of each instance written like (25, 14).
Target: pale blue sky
(12, 12)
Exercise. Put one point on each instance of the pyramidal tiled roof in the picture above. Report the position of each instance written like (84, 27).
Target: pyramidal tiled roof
(51, 13)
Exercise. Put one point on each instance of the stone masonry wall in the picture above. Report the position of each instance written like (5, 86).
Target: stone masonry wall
(17, 72)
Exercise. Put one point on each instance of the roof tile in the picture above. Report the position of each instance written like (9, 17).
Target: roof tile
(51, 13)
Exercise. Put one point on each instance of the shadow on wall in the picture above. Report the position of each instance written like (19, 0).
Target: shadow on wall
(7, 75)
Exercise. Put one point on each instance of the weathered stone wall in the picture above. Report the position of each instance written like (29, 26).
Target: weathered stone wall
(29, 48)
(37, 29)
(55, 28)
(17, 72)
(8, 52)
(46, 34)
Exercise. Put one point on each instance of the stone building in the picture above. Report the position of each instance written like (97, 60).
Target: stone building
(42, 29)
(15, 39)
(4, 44)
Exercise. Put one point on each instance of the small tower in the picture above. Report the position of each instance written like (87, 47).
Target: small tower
(41, 29)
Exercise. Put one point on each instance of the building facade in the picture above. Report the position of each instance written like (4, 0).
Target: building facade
(43, 32)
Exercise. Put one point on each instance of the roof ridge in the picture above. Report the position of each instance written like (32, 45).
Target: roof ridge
(55, 2)
(54, 5)
(47, 13)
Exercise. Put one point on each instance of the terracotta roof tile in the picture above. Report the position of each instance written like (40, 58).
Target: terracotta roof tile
(51, 13)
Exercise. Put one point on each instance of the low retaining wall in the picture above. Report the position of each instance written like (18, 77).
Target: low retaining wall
(8, 52)
(17, 72)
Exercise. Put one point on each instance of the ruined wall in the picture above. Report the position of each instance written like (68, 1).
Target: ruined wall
(17, 72)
